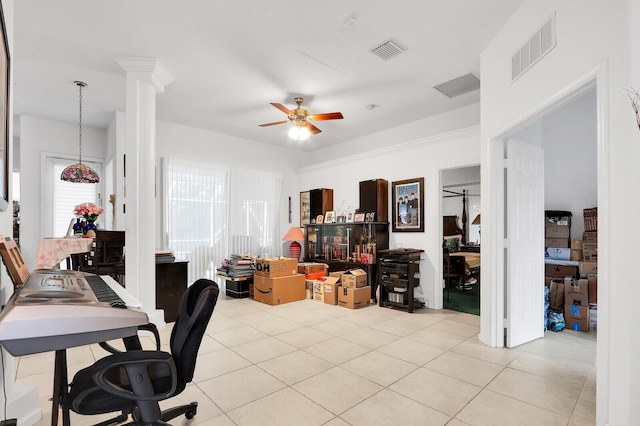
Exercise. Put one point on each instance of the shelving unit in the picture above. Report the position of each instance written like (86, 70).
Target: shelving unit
(399, 271)
(345, 246)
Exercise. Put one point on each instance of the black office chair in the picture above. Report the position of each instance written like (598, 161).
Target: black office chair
(134, 381)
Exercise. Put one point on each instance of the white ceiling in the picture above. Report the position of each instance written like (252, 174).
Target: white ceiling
(230, 59)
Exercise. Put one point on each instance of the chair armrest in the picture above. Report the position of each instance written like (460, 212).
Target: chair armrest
(133, 343)
(141, 368)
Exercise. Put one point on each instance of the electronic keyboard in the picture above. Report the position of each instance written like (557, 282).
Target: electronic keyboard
(56, 309)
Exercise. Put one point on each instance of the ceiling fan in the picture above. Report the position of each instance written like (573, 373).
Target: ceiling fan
(302, 118)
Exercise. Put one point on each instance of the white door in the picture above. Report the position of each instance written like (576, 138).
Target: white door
(524, 277)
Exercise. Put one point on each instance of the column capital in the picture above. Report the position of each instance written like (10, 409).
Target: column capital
(147, 69)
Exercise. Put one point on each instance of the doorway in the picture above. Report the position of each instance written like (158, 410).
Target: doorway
(460, 211)
(567, 132)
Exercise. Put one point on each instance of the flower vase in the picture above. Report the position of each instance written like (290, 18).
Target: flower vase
(90, 228)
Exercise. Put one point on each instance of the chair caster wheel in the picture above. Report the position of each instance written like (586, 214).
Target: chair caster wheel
(191, 413)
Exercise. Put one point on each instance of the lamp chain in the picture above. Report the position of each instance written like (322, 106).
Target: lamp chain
(80, 125)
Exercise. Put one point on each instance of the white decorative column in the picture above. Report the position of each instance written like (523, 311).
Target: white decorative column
(145, 78)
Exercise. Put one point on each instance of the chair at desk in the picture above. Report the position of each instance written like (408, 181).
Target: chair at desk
(134, 381)
(453, 267)
(106, 256)
(12, 258)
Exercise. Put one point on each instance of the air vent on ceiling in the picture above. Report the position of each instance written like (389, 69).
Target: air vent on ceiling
(538, 45)
(458, 86)
(388, 50)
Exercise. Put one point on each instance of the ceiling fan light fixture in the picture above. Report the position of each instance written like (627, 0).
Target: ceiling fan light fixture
(80, 173)
(299, 133)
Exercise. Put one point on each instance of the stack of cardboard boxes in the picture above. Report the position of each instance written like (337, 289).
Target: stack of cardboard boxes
(348, 289)
(557, 234)
(589, 265)
(277, 281)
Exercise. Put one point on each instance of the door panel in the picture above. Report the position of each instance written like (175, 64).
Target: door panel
(525, 243)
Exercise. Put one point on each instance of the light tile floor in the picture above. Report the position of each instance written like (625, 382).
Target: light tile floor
(307, 363)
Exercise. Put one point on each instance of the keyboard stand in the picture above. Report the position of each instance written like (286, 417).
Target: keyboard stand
(60, 389)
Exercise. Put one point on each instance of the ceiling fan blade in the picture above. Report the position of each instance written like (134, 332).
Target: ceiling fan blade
(274, 123)
(282, 108)
(326, 116)
(311, 128)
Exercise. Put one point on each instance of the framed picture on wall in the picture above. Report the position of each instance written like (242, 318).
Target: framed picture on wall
(305, 208)
(408, 205)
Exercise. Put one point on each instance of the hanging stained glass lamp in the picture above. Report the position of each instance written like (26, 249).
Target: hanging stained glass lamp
(80, 173)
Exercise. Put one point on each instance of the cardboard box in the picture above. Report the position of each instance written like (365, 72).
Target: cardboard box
(588, 268)
(276, 291)
(354, 298)
(354, 278)
(330, 293)
(556, 294)
(274, 268)
(558, 253)
(317, 290)
(576, 244)
(576, 292)
(593, 316)
(590, 246)
(560, 271)
(576, 317)
(312, 267)
(557, 232)
(590, 255)
(556, 242)
(590, 237)
(337, 274)
(308, 289)
(576, 255)
(367, 258)
(593, 289)
(558, 221)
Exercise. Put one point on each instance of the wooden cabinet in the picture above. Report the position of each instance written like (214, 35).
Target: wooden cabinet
(374, 197)
(320, 202)
(345, 246)
(171, 283)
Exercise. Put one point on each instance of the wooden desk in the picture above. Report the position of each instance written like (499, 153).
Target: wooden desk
(171, 283)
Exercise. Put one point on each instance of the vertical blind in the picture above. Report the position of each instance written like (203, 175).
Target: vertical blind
(67, 195)
(209, 209)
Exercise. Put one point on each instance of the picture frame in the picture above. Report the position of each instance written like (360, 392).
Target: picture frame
(4, 112)
(330, 216)
(358, 217)
(305, 208)
(341, 219)
(350, 217)
(408, 205)
(319, 218)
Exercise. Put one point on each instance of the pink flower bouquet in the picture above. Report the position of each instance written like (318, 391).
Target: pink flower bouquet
(89, 211)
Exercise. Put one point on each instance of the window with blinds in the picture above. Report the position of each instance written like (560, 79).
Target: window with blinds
(211, 211)
(66, 195)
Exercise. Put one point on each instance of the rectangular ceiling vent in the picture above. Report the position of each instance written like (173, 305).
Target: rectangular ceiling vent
(459, 86)
(388, 50)
(538, 45)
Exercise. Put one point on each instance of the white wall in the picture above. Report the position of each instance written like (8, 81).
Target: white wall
(593, 41)
(569, 136)
(410, 158)
(37, 137)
